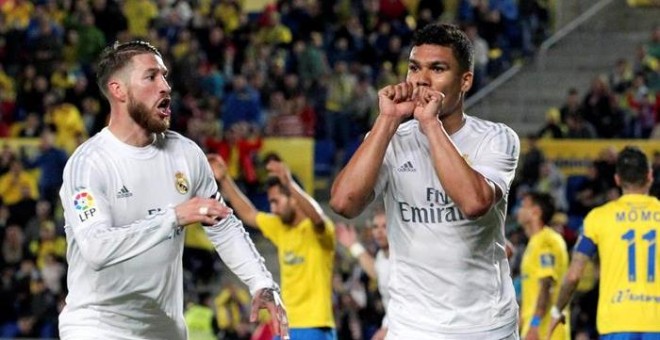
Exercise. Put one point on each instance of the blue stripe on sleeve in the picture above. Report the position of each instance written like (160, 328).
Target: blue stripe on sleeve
(586, 246)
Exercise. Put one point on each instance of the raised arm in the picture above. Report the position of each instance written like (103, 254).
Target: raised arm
(470, 190)
(353, 188)
(241, 204)
(309, 206)
(347, 237)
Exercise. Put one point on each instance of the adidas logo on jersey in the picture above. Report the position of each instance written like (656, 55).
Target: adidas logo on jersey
(124, 193)
(406, 167)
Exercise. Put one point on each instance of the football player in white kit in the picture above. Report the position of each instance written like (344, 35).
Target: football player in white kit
(127, 194)
(445, 177)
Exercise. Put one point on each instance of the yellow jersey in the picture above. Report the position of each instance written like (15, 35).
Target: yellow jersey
(625, 234)
(545, 256)
(306, 259)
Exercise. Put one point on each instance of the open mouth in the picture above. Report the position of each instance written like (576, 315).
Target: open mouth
(164, 106)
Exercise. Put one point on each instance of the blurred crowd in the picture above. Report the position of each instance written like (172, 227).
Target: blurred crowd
(622, 103)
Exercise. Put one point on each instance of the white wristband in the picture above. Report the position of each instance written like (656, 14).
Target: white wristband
(555, 313)
(357, 249)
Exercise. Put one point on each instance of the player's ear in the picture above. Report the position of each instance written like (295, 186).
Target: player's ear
(117, 89)
(466, 81)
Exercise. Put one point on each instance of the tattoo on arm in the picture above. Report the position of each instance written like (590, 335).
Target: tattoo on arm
(572, 279)
(543, 301)
(267, 295)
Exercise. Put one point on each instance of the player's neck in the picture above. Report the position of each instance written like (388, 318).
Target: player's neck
(635, 192)
(453, 122)
(128, 131)
(133, 137)
(298, 216)
(534, 229)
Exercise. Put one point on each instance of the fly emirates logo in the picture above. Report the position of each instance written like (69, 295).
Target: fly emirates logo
(440, 209)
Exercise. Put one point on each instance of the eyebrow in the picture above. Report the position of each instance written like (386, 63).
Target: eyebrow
(156, 70)
(430, 64)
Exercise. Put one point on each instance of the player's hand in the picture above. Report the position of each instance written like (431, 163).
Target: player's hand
(428, 104)
(218, 166)
(269, 299)
(532, 334)
(554, 323)
(396, 101)
(346, 234)
(280, 170)
(207, 211)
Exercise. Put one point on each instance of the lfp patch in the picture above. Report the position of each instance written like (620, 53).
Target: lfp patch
(85, 205)
(547, 260)
(83, 201)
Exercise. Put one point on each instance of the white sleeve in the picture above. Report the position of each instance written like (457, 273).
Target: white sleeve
(88, 214)
(383, 177)
(236, 249)
(498, 159)
(229, 238)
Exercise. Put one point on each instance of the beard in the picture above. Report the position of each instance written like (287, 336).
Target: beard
(145, 117)
(287, 216)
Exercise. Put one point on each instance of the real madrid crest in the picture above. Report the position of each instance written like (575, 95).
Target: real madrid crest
(182, 185)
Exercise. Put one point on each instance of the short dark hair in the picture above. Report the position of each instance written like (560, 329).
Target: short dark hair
(274, 181)
(116, 57)
(545, 202)
(447, 35)
(271, 156)
(632, 166)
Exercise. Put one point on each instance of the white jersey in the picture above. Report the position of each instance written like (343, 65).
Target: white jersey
(449, 276)
(124, 245)
(382, 267)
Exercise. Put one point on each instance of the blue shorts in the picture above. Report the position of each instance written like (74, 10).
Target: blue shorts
(324, 333)
(630, 336)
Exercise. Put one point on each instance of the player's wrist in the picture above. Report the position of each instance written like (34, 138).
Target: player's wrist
(535, 322)
(555, 312)
(388, 122)
(356, 249)
(429, 122)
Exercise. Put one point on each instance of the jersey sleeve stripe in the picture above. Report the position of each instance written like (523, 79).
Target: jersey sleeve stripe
(586, 246)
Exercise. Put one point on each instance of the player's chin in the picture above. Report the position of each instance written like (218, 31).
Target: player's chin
(159, 124)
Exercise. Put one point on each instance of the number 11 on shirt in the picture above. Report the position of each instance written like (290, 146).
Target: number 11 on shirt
(651, 238)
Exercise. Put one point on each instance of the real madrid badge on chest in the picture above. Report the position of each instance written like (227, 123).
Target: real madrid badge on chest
(182, 184)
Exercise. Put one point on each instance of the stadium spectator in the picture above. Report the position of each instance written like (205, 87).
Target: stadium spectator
(378, 267)
(50, 162)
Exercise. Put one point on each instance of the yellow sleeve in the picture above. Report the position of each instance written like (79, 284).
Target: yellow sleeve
(589, 228)
(270, 225)
(547, 260)
(327, 238)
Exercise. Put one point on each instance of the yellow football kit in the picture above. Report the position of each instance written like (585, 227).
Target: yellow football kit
(306, 259)
(624, 232)
(545, 256)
